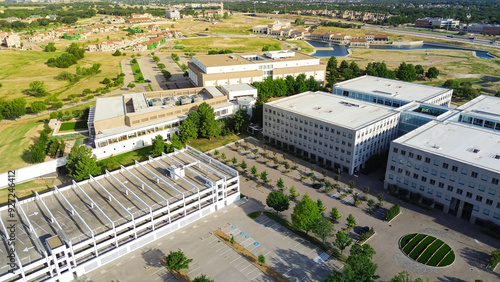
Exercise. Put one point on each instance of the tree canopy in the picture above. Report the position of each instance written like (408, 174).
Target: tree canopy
(323, 228)
(177, 261)
(358, 267)
(305, 213)
(37, 107)
(208, 126)
(158, 146)
(14, 108)
(278, 201)
(81, 163)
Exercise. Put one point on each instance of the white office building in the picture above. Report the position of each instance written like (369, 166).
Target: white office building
(172, 14)
(390, 92)
(336, 131)
(454, 161)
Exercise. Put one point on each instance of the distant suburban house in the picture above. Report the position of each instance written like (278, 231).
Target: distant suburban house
(9, 39)
(172, 14)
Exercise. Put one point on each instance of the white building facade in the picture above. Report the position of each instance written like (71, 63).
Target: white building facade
(339, 132)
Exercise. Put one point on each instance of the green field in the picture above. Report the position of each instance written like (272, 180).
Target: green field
(27, 188)
(128, 158)
(204, 144)
(427, 250)
(139, 78)
(15, 140)
(73, 126)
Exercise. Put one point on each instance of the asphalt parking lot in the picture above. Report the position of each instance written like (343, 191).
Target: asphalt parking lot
(288, 254)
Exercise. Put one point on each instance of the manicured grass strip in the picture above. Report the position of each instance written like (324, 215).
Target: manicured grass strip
(406, 239)
(128, 158)
(407, 249)
(438, 255)
(449, 259)
(73, 126)
(203, 144)
(254, 215)
(420, 247)
(425, 256)
(138, 77)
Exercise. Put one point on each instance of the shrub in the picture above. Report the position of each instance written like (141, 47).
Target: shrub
(392, 212)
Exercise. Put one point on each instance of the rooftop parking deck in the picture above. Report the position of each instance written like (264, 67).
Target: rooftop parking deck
(96, 215)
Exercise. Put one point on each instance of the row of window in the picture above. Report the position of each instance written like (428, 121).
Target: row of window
(437, 163)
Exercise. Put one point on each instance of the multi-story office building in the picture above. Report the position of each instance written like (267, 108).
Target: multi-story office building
(390, 92)
(337, 131)
(131, 121)
(229, 69)
(436, 22)
(454, 160)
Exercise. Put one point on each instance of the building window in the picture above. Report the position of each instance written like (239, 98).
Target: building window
(430, 191)
(496, 215)
(441, 185)
(427, 160)
(445, 165)
(486, 211)
(436, 162)
(438, 194)
(432, 182)
(472, 185)
(443, 175)
(419, 157)
(423, 178)
(454, 168)
(494, 181)
(481, 188)
(434, 172)
(464, 171)
(479, 198)
(476, 208)
(489, 202)
(468, 195)
(484, 177)
(452, 178)
(473, 174)
(460, 191)
(492, 191)
(447, 198)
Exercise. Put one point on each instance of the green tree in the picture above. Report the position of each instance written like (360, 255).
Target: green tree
(262, 259)
(406, 72)
(176, 143)
(14, 108)
(280, 184)
(253, 170)
(380, 197)
(451, 83)
(37, 106)
(359, 266)
(130, 85)
(263, 176)
(117, 53)
(161, 66)
(431, 73)
(156, 59)
(208, 126)
(37, 89)
(241, 120)
(351, 221)
(323, 228)
(300, 83)
(202, 278)
(50, 47)
(278, 201)
(293, 192)
(334, 214)
(320, 204)
(332, 63)
(175, 57)
(189, 128)
(342, 241)
(106, 81)
(419, 69)
(177, 261)
(158, 146)
(305, 213)
(405, 277)
(243, 165)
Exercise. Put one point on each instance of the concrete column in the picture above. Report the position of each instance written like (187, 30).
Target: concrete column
(446, 208)
(460, 209)
(472, 219)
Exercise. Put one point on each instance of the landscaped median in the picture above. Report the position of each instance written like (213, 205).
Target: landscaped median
(250, 257)
(181, 275)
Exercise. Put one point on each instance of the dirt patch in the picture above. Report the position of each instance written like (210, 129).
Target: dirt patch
(250, 257)
(181, 275)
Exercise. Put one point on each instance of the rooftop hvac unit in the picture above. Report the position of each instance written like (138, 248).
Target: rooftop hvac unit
(175, 172)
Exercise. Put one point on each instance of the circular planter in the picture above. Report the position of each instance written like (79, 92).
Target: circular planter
(427, 250)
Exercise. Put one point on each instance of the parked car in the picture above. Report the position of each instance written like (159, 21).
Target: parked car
(147, 80)
(317, 185)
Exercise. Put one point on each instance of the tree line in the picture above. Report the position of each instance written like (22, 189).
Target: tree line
(72, 55)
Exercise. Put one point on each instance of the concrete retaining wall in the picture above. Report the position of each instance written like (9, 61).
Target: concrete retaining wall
(32, 172)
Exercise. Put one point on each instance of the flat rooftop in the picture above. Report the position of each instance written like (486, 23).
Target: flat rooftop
(112, 203)
(469, 144)
(396, 89)
(238, 59)
(238, 87)
(343, 111)
(106, 108)
(484, 105)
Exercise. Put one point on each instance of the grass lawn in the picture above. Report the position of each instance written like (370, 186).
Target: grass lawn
(129, 157)
(26, 188)
(15, 138)
(206, 145)
(406, 239)
(420, 247)
(73, 126)
(438, 256)
(236, 44)
(413, 243)
(424, 257)
(449, 259)
(19, 68)
(137, 72)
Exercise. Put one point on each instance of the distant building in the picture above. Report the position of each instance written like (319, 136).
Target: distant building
(269, 28)
(229, 69)
(482, 28)
(172, 14)
(436, 22)
(9, 39)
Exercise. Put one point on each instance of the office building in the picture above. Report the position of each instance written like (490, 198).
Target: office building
(339, 132)
(391, 92)
(229, 69)
(453, 161)
(436, 22)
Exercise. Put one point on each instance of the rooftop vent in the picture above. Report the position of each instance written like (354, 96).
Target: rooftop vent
(497, 157)
(317, 108)
(475, 151)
